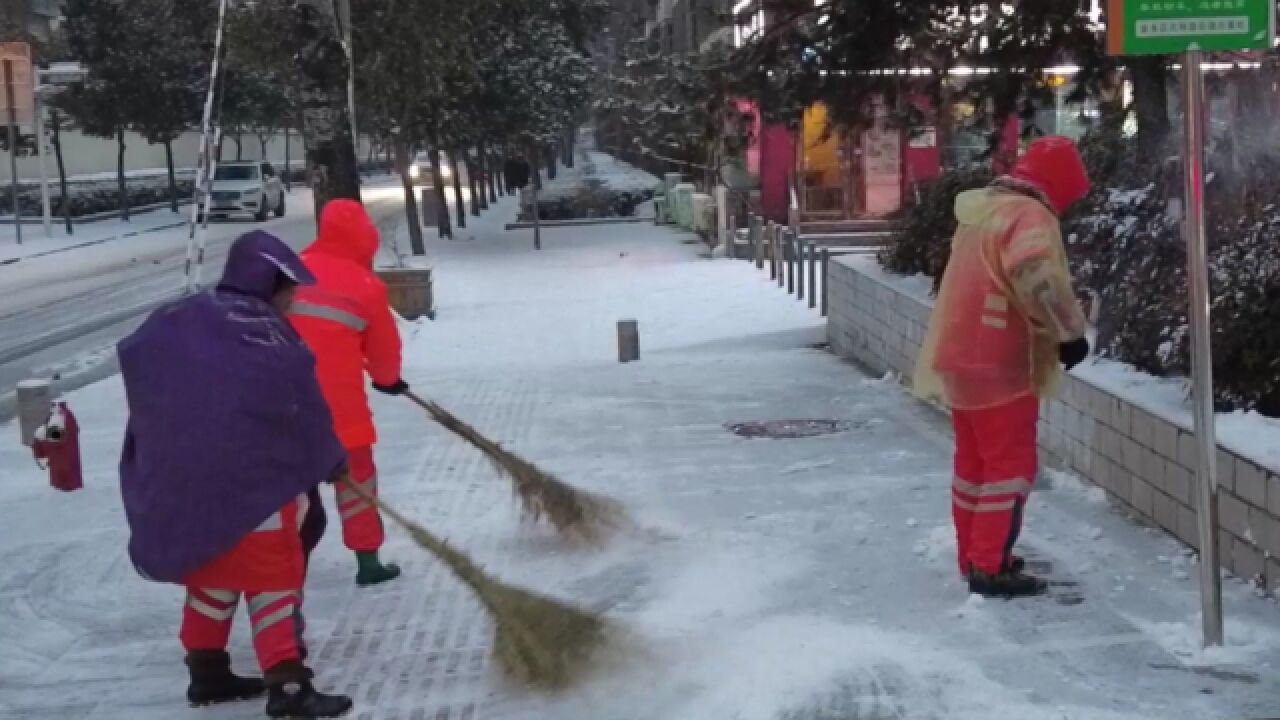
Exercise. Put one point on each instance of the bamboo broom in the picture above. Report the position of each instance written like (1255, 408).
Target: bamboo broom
(538, 641)
(573, 513)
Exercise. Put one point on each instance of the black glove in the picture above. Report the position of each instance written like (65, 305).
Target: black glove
(1073, 353)
(399, 387)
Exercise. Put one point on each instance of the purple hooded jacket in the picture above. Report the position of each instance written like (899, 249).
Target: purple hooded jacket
(226, 420)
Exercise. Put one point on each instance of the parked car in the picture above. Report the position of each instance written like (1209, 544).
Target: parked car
(247, 188)
(420, 169)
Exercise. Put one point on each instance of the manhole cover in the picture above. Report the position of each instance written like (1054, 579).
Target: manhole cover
(789, 429)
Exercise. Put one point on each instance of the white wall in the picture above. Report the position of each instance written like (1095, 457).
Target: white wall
(86, 155)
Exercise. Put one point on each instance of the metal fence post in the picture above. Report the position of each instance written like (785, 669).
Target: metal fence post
(779, 243)
(813, 276)
(801, 248)
(791, 263)
(773, 256)
(754, 233)
(826, 273)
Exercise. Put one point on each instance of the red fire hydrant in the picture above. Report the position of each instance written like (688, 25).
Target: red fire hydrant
(57, 442)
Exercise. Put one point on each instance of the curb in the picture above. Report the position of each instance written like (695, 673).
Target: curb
(91, 243)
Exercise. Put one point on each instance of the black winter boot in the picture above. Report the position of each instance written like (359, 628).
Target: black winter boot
(212, 681)
(371, 571)
(291, 695)
(1008, 584)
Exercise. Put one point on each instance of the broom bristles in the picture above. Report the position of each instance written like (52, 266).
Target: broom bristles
(572, 512)
(541, 642)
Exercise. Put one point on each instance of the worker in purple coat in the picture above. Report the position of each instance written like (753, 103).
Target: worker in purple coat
(228, 438)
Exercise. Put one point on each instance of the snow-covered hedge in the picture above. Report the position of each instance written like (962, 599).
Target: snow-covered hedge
(599, 185)
(1128, 252)
(915, 247)
(98, 193)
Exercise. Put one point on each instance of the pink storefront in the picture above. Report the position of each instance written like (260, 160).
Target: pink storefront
(842, 175)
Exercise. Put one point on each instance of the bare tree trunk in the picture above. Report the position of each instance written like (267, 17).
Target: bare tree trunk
(549, 153)
(437, 182)
(460, 205)
(321, 63)
(120, 183)
(173, 179)
(500, 177)
(239, 140)
(1151, 99)
(417, 243)
(288, 158)
(62, 170)
(262, 148)
(570, 138)
(486, 162)
(473, 183)
(535, 167)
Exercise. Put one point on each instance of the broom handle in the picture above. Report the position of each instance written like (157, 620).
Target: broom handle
(441, 417)
(459, 564)
(368, 497)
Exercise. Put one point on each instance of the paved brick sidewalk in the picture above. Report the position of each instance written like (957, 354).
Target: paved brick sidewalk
(804, 579)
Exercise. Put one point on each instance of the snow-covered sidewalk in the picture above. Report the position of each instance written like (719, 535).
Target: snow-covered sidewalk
(774, 579)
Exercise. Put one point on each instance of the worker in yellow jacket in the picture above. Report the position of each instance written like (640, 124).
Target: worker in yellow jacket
(1005, 325)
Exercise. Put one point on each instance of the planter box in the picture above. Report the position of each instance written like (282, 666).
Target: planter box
(410, 291)
(1142, 454)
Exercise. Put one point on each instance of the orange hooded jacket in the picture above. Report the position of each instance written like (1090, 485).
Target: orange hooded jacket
(346, 320)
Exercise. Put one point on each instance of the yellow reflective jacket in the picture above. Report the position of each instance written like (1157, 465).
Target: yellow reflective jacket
(1004, 306)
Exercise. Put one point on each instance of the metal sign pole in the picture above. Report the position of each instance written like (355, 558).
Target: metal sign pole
(11, 102)
(1201, 351)
(39, 127)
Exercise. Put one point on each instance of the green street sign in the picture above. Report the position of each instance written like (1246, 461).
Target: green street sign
(1166, 27)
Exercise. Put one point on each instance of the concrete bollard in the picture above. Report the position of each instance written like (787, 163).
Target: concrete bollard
(628, 341)
(34, 398)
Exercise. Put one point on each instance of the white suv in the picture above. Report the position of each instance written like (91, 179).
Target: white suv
(248, 188)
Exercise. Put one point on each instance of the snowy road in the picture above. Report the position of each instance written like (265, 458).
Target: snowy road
(808, 579)
(62, 313)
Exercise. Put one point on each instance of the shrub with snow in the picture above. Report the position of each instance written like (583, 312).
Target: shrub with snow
(922, 243)
(1127, 250)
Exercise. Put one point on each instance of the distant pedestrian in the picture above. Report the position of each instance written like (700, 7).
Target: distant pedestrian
(1005, 324)
(346, 320)
(228, 436)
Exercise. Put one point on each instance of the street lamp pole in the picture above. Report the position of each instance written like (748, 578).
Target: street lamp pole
(44, 167)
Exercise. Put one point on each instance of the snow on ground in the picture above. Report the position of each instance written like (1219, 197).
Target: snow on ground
(768, 580)
(36, 244)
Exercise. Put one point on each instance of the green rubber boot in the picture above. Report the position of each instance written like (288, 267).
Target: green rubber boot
(372, 571)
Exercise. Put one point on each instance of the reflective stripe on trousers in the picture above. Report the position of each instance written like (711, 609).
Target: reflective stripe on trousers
(990, 497)
(350, 503)
(208, 616)
(276, 521)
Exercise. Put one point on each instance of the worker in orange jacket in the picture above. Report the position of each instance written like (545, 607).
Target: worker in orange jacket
(347, 322)
(1005, 324)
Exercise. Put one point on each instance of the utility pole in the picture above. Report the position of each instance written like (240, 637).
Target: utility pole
(11, 102)
(342, 12)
